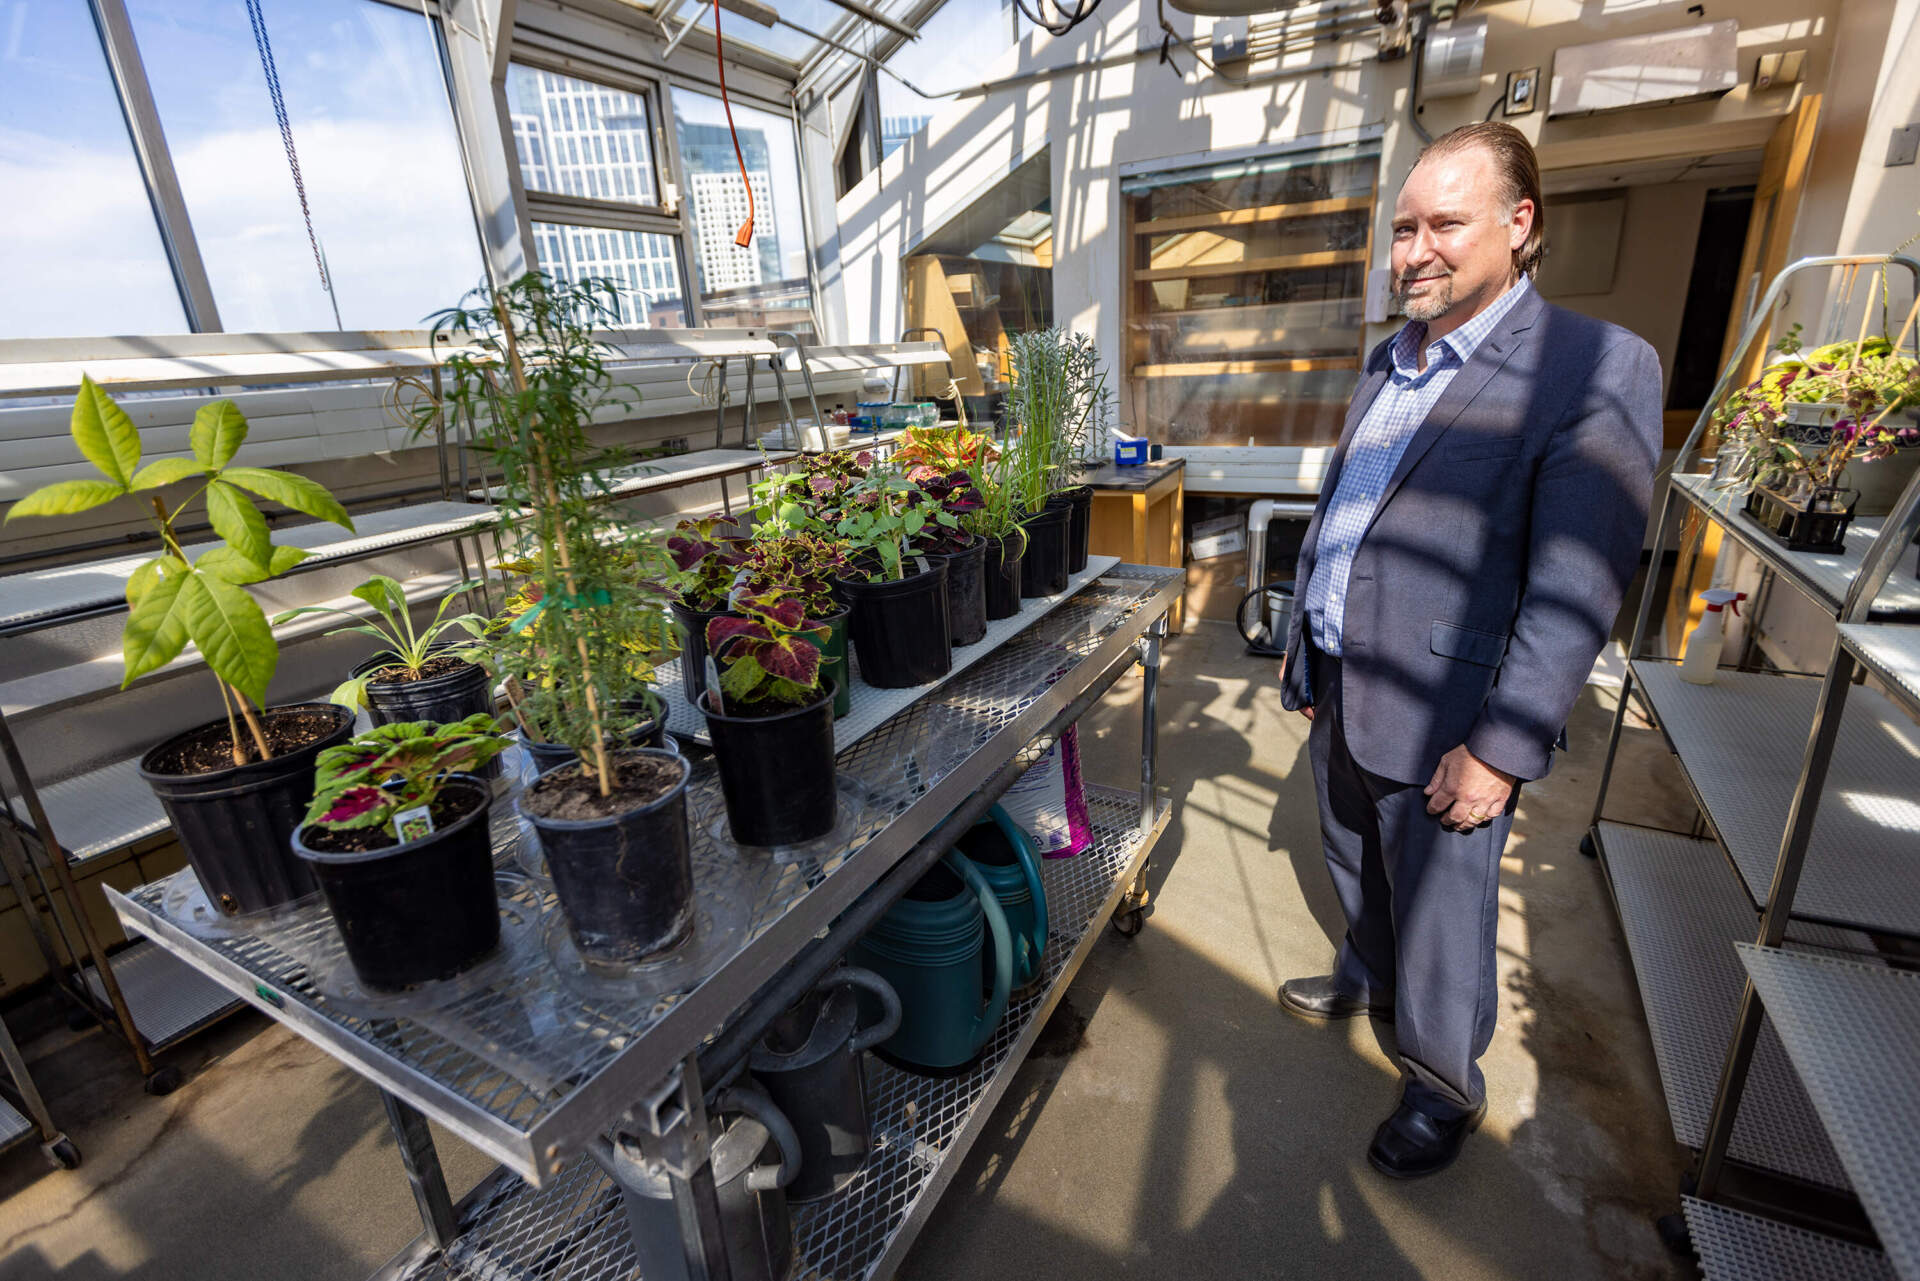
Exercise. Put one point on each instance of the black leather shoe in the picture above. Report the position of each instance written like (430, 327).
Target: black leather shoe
(1318, 998)
(1410, 1143)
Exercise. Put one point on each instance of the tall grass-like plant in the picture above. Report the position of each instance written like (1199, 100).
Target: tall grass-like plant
(1058, 403)
(527, 374)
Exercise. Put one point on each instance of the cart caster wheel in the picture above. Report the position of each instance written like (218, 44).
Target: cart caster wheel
(164, 1081)
(1129, 923)
(63, 1153)
(1674, 1233)
(1587, 846)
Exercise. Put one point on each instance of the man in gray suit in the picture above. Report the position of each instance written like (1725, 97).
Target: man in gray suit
(1482, 518)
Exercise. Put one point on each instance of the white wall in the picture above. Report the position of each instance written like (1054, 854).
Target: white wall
(1113, 104)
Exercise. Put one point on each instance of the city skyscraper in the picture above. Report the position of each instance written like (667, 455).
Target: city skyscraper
(579, 139)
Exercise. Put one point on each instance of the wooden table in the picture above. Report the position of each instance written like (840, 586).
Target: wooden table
(1139, 515)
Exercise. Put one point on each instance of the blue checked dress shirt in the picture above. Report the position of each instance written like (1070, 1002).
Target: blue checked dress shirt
(1404, 401)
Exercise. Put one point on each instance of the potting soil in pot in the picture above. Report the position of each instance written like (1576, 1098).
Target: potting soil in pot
(575, 797)
(438, 665)
(287, 730)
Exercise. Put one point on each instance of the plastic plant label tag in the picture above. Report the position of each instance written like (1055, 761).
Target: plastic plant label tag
(921, 561)
(713, 680)
(414, 823)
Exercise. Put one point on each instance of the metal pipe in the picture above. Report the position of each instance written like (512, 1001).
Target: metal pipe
(1149, 717)
(781, 992)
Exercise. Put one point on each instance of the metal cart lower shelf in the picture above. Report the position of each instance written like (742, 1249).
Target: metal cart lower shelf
(1850, 1031)
(575, 1228)
(1682, 910)
(169, 999)
(1735, 1246)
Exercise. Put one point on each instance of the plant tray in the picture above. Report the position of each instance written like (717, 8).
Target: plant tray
(1800, 529)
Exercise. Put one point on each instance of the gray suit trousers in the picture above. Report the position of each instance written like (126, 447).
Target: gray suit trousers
(1422, 907)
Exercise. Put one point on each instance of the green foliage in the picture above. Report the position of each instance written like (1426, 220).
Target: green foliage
(526, 376)
(771, 653)
(1869, 380)
(366, 781)
(392, 626)
(171, 601)
(1060, 400)
(803, 566)
(884, 513)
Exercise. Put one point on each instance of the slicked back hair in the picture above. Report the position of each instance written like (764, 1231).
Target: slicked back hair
(1519, 170)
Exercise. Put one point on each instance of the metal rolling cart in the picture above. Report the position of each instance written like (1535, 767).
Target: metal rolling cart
(1803, 1124)
(542, 1077)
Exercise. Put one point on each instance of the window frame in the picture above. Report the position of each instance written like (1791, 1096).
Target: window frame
(690, 236)
(1134, 382)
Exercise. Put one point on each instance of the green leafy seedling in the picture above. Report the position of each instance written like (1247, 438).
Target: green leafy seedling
(170, 600)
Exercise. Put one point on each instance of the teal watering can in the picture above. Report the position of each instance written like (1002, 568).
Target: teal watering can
(928, 947)
(1006, 859)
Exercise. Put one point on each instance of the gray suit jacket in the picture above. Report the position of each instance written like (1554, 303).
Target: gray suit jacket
(1497, 557)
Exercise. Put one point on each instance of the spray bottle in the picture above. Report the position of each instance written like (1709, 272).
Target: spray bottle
(1706, 640)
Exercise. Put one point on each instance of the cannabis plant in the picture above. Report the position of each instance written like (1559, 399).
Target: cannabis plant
(527, 374)
(170, 600)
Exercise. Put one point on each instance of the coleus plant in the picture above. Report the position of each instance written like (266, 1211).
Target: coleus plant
(770, 653)
(812, 497)
(707, 556)
(926, 453)
(802, 565)
(958, 501)
(170, 599)
(368, 780)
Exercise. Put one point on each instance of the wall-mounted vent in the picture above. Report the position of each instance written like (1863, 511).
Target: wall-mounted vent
(1656, 70)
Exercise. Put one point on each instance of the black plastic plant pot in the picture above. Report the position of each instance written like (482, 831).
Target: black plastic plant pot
(834, 653)
(446, 699)
(625, 882)
(236, 824)
(693, 647)
(1079, 501)
(420, 911)
(546, 756)
(899, 627)
(776, 772)
(1000, 575)
(966, 592)
(1043, 570)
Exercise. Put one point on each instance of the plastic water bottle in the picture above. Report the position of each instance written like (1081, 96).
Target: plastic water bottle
(1709, 637)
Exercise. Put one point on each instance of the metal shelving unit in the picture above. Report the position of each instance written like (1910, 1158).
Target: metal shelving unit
(1735, 1246)
(23, 1114)
(923, 1126)
(1803, 784)
(1850, 1030)
(534, 1070)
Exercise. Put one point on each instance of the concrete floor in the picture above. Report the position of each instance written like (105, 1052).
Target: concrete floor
(1173, 1122)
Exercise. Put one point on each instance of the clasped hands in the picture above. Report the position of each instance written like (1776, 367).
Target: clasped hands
(1466, 792)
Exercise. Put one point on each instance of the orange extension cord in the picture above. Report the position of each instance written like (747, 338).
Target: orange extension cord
(744, 236)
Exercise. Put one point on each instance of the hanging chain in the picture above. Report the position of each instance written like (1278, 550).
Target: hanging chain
(265, 48)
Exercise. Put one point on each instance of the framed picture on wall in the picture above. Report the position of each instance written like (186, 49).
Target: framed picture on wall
(1523, 90)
